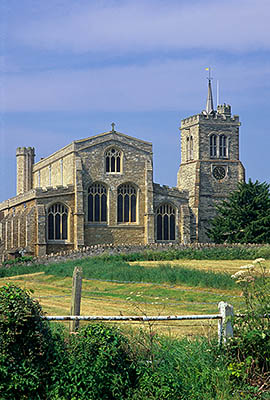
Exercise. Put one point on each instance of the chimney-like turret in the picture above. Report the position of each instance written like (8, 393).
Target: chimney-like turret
(25, 161)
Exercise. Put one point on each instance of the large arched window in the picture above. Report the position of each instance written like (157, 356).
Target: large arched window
(97, 203)
(213, 145)
(58, 222)
(126, 203)
(223, 145)
(113, 160)
(165, 218)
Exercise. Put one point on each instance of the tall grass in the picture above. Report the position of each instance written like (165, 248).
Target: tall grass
(207, 253)
(98, 268)
(19, 269)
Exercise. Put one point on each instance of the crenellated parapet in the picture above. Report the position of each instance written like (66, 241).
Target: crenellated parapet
(223, 114)
(31, 195)
(54, 191)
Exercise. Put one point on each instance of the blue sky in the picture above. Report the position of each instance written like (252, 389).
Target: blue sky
(69, 68)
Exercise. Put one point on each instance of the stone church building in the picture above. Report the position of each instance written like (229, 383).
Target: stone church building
(100, 190)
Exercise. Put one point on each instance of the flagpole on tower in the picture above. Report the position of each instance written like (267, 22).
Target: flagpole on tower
(217, 92)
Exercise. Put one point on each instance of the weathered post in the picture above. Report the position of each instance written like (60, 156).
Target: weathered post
(76, 297)
(225, 328)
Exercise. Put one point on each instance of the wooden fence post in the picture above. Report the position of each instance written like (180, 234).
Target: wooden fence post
(76, 297)
(225, 328)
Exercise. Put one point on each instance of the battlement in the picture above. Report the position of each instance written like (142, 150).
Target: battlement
(20, 151)
(224, 109)
(54, 190)
(19, 199)
(220, 116)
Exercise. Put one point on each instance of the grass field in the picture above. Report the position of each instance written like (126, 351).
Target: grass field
(100, 297)
(230, 266)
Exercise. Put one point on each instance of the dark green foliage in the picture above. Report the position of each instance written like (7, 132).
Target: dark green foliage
(121, 271)
(244, 217)
(39, 362)
(249, 350)
(97, 365)
(26, 346)
(19, 260)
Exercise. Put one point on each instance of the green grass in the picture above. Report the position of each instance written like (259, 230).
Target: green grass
(207, 253)
(19, 269)
(98, 268)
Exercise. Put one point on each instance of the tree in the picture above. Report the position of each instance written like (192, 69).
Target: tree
(244, 217)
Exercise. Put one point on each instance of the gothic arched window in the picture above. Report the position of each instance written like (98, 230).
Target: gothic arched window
(223, 146)
(97, 203)
(58, 222)
(126, 203)
(213, 145)
(165, 217)
(113, 160)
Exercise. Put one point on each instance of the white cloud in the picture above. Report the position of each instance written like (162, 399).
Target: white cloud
(147, 25)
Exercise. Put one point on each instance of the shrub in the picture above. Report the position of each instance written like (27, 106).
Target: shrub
(26, 346)
(249, 350)
(97, 366)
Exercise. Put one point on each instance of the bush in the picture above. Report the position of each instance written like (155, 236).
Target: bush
(97, 365)
(249, 350)
(26, 346)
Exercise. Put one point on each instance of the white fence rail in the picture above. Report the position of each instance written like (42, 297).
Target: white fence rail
(225, 329)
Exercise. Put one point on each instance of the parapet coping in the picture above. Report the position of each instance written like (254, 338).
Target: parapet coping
(113, 132)
(34, 193)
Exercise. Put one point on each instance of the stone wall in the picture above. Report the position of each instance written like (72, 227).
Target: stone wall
(54, 172)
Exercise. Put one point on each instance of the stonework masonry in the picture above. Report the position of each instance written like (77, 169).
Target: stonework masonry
(100, 191)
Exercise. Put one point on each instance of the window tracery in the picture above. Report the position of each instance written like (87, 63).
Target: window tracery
(113, 158)
(97, 203)
(58, 222)
(126, 203)
(165, 219)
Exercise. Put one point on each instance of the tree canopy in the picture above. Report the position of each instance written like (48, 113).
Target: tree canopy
(244, 217)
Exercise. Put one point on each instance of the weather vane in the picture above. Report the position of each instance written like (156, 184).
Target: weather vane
(209, 75)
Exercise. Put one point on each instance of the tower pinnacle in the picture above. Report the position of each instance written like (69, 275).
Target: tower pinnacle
(209, 102)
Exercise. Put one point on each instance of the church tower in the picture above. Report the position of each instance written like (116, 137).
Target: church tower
(210, 167)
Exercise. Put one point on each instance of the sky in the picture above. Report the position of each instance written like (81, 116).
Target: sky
(69, 68)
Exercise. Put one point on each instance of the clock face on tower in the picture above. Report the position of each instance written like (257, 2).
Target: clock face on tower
(219, 173)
